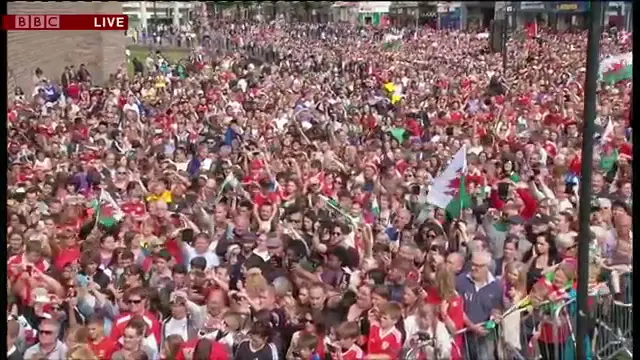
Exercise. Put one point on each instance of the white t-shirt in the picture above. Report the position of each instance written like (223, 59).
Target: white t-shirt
(131, 107)
(176, 327)
(190, 252)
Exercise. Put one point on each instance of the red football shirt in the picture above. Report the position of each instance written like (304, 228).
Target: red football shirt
(219, 351)
(353, 353)
(387, 342)
(104, 348)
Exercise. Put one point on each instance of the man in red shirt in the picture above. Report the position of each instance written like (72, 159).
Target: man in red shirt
(385, 340)
(137, 300)
(32, 257)
(102, 346)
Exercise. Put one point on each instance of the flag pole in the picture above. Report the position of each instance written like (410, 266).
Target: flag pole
(98, 208)
(463, 180)
(590, 90)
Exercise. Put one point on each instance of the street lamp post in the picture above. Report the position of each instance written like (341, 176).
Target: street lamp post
(584, 236)
(508, 9)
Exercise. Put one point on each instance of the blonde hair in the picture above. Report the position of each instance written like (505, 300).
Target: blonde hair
(594, 272)
(568, 269)
(521, 282)
(392, 309)
(233, 320)
(445, 282)
(255, 284)
(81, 352)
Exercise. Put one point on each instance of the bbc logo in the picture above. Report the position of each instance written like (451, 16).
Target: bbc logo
(37, 22)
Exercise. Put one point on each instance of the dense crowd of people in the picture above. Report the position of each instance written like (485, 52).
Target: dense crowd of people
(278, 208)
(163, 35)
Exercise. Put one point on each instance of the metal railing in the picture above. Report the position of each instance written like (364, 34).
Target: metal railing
(547, 331)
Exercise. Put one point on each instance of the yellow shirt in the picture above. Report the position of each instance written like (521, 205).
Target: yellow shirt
(165, 196)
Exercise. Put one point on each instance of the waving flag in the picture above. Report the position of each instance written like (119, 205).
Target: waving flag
(108, 213)
(448, 190)
(375, 207)
(392, 42)
(616, 68)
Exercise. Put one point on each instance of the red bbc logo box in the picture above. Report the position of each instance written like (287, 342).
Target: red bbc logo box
(30, 22)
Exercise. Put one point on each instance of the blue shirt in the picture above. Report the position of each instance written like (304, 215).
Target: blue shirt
(392, 233)
(479, 302)
(51, 94)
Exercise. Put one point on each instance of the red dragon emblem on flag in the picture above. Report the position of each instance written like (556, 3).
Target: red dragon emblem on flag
(454, 184)
(614, 68)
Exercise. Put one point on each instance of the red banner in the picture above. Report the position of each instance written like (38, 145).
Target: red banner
(65, 22)
(532, 29)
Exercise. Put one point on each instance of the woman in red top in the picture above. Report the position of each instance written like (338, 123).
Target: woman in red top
(450, 304)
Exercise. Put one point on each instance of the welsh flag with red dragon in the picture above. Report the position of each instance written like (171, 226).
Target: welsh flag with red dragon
(448, 190)
(107, 211)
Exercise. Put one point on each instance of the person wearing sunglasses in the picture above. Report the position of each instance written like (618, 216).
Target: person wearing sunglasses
(310, 326)
(48, 343)
(136, 299)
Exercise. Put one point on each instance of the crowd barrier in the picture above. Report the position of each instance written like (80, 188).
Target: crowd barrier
(228, 45)
(548, 332)
(174, 41)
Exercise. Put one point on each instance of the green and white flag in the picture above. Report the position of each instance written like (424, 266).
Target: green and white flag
(108, 213)
(229, 182)
(616, 68)
(392, 42)
(375, 207)
(448, 190)
(335, 206)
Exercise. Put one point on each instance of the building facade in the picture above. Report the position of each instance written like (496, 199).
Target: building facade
(374, 13)
(344, 11)
(562, 15)
(142, 13)
(102, 52)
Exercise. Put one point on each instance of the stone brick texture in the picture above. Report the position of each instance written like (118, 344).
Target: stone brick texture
(101, 51)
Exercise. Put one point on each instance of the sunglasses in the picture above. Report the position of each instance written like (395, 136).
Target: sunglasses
(136, 301)
(306, 321)
(45, 332)
(336, 233)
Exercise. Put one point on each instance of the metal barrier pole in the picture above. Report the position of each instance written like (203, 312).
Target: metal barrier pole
(591, 85)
